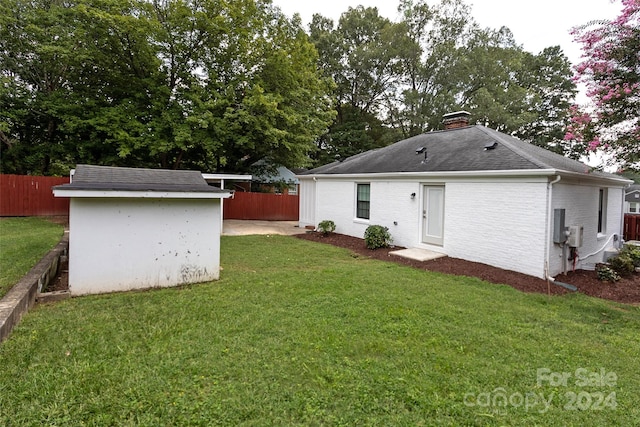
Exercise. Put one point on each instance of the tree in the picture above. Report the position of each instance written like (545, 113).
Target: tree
(547, 78)
(207, 84)
(81, 77)
(453, 64)
(429, 87)
(361, 55)
(611, 72)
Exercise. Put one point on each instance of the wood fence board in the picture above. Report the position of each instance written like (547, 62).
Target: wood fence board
(262, 206)
(631, 227)
(24, 195)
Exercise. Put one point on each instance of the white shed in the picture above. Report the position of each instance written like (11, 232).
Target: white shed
(135, 228)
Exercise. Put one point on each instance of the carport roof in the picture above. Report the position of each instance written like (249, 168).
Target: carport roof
(117, 179)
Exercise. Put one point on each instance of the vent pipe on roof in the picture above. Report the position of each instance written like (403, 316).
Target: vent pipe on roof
(459, 119)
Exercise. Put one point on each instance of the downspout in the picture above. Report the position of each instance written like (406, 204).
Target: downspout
(624, 196)
(547, 242)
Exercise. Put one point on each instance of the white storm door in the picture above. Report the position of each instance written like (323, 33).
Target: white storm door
(433, 214)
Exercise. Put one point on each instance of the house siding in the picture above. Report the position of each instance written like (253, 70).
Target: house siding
(499, 222)
(580, 202)
(123, 244)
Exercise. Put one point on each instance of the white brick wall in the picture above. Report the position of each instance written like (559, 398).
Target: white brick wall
(580, 202)
(497, 222)
(119, 244)
(501, 223)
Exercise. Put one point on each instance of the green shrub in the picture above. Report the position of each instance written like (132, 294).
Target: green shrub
(627, 260)
(633, 252)
(606, 274)
(377, 236)
(622, 264)
(326, 227)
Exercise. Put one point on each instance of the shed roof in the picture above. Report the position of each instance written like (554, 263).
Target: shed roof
(467, 149)
(107, 178)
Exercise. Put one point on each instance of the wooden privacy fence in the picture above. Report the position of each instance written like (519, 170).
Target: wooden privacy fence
(631, 227)
(22, 195)
(262, 206)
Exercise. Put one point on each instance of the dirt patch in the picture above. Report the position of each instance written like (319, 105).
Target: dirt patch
(61, 281)
(627, 290)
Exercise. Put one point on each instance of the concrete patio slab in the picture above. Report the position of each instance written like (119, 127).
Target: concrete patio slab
(417, 254)
(237, 227)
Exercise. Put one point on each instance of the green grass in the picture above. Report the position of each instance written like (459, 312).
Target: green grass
(300, 333)
(23, 242)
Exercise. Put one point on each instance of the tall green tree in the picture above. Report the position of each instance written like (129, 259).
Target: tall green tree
(433, 36)
(547, 77)
(454, 64)
(361, 54)
(167, 83)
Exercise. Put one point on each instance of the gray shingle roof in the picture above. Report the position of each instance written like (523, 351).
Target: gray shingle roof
(461, 149)
(107, 178)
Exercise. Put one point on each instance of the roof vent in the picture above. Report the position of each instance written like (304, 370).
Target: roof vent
(458, 119)
(490, 145)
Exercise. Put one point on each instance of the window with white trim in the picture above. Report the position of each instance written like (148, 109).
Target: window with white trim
(634, 207)
(602, 210)
(363, 201)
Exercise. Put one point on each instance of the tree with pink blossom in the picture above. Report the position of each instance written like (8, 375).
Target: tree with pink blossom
(610, 69)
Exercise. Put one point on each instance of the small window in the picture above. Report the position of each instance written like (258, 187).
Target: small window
(602, 210)
(634, 207)
(363, 200)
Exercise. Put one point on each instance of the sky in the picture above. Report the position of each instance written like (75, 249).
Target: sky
(535, 24)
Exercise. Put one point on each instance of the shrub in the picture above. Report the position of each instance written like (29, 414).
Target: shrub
(326, 227)
(622, 264)
(377, 236)
(606, 274)
(633, 252)
(626, 261)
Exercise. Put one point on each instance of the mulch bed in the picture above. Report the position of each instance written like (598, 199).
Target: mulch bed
(627, 290)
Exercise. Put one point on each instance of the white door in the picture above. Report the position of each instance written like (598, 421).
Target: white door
(433, 214)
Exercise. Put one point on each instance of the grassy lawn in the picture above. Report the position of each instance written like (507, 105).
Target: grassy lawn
(299, 333)
(23, 242)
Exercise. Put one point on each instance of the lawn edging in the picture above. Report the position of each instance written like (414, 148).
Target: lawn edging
(22, 295)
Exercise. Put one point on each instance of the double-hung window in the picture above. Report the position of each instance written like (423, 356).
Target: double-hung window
(363, 200)
(602, 211)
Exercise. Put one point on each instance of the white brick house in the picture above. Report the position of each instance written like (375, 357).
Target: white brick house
(472, 193)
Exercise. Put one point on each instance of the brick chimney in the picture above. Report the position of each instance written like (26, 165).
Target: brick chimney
(456, 120)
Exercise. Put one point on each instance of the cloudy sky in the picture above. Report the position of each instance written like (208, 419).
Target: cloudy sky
(535, 24)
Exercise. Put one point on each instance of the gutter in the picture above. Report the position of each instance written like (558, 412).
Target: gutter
(547, 230)
(470, 174)
(442, 174)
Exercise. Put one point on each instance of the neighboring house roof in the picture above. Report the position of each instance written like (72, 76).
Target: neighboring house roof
(282, 175)
(467, 149)
(632, 193)
(107, 178)
(635, 188)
